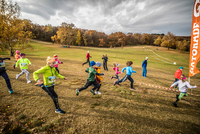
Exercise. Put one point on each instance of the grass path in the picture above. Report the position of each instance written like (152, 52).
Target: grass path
(117, 110)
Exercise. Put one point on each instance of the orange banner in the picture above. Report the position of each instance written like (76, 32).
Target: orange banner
(195, 40)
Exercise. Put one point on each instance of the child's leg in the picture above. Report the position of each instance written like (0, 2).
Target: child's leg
(145, 72)
(96, 85)
(18, 75)
(122, 80)
(27, 74)
(131, 80)
(57, 69)
(106, 66)
(52, 93)
(86, 85)
(99, 87)
(6, 78)
(180, 96)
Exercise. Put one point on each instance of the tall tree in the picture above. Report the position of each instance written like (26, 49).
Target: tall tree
(11, 27)
(158, 41)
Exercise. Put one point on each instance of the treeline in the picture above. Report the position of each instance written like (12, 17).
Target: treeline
(15, 34)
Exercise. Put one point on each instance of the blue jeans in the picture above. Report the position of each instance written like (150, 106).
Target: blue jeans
(144, 73)
(176, 81)
(125, 78)
(5, 76)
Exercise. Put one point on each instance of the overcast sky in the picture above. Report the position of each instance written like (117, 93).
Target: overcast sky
(109, 16)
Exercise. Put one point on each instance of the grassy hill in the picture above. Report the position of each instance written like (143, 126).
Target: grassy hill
(117, 110)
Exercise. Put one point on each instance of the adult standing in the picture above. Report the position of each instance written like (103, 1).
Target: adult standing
(105, 59)
(177, 75)
(144, 66)
(88, 58)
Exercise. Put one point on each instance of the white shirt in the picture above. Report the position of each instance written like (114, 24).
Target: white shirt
(183, 86)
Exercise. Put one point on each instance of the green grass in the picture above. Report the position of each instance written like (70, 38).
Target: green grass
(117, 110)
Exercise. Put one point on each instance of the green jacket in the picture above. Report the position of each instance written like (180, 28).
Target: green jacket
(23, 63)
(48, 75)
(92, 72)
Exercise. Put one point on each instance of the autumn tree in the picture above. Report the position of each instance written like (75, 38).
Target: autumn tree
(66, 34)
(145, 39)
(158, 41)
(12, 35)
(78, 38)
(170, 38)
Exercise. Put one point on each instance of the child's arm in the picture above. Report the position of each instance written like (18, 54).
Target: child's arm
(17, 63)
(99, 73)
(59, 62)
(39, 71)
(132, 70)
(123, 69)
(60, 76)
(29, 62)
(174, 84)
(189, 86)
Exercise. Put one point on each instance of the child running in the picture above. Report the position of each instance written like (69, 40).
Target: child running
(49, 72)
(17, 57)
(88, 58)
(129, 71)
(98, 78)
(57, 62)
(91, 79)
(4, 74)
(183, 87)
(116, 69)
(24, 62)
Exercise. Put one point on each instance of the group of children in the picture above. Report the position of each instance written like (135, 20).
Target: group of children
(50, 71)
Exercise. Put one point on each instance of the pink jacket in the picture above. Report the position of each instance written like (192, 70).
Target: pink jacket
(116, 69)
(57, 62)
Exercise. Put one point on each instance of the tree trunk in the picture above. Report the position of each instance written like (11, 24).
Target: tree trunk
(11, 52)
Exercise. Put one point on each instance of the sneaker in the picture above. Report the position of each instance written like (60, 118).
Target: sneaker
(77, 92)
(97, 92)
(28, 81)
(115, 83)
(92, 92)
(111, 77)
(10, 91)
(14, 67)
(59, 111)
(175, 104)
(132, 88)
(17, 76)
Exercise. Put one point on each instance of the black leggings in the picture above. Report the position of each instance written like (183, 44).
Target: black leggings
(90, 83)
(105, 65)
(88, 61)
(57, 69)
(117, 77)
(6, 78)
(52, 93)
(125, 78)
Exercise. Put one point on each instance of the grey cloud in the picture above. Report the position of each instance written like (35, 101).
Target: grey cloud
(143, 16)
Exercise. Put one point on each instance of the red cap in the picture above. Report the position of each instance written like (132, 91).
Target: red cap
(55, 55)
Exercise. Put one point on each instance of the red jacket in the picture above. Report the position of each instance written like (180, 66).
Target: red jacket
(88, 56)
(178, 74)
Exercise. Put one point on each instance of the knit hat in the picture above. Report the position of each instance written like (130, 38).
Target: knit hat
(49, 60)
(88, 51)
(146, 58)
(55, 55)
(92, 63)
(180, 67)
(98, 64)
(184, 78)
(22, 54)
(17, 51)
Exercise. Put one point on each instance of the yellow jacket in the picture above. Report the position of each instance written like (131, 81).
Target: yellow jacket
(98, 78)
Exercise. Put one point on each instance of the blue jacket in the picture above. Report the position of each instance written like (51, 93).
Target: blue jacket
(129, 70)
(144, 63)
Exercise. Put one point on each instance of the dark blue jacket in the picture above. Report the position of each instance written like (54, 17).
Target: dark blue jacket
(144, 63)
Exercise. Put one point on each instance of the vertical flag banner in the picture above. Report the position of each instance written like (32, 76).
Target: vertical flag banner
(195, 40)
